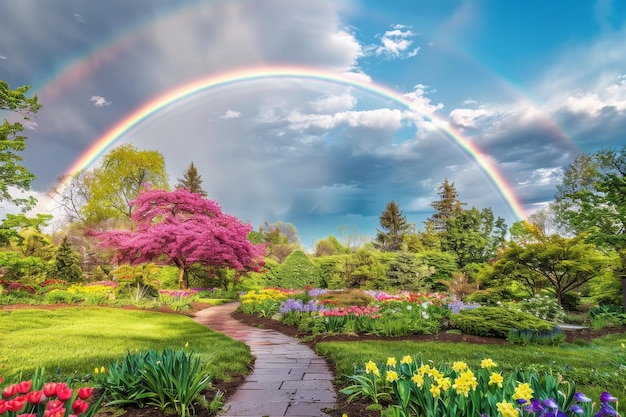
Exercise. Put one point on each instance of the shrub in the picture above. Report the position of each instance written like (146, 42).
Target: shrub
(496, 322)
(542, 306)
(346, 298)
(63, 297)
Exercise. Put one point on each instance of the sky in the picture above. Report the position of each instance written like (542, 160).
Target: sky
(318, 113)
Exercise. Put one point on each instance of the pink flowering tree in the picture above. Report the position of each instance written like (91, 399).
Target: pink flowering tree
(182, 228)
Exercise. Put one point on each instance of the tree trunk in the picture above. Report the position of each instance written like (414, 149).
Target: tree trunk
(183, 278)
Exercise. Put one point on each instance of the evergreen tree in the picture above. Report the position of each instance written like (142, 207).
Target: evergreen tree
(65, 265)
(394, 225)
(191, 181)
(448, 206)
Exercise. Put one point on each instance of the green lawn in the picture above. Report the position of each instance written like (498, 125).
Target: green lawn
(74, 341)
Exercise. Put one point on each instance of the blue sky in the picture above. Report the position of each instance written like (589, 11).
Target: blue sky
(530, 83)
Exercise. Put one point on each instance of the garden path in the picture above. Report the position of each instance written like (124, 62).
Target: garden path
(288, 379)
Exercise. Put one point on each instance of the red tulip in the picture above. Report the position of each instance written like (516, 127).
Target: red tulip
(52, 404)
(35, 397)
(61, 385)
(27, 415)
(24, 386)
(16, 404)
(54, 412)
(84, 393)
(9, 391)
(50, 389)
(65, 394)
(3, 406)
(80, 406)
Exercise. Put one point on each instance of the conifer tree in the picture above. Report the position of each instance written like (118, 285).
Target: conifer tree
(66, 265)
(394, 225)
(447, 207)
(192, 181)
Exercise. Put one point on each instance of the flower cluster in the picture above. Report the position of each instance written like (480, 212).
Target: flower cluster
(371, 312)
(52, 400)
(290, 305)
(179, 293)
(259, 296)
(455, 306)
(417, 388)
(93, 289)
(413, 297)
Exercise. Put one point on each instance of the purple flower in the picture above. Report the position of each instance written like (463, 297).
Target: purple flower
(606, 410)
(581, 397)
(577, 409)
(606, 397)
(550, 403)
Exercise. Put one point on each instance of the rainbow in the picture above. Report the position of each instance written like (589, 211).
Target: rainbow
(189, 89)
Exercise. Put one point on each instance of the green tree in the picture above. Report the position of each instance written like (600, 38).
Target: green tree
(65, 264)
(12, 173)
(330, 246)
(13, 225)
(406, 272)
(564, 264)
(591, 199)
(192, 181)
(123, 173)
(280, 239)
(447, 207)
(473, 236)
(394, 228)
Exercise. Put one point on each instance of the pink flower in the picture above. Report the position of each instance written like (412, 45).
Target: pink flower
(50, 389)
(24, 386)
(9, 391)
(79, 406)
(35, 397)
(16, 404)
(65, 394)
(84, 393)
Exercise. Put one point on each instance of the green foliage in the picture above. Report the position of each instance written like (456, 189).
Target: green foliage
(171, 379)
(18, 266)
(496, 322)
(563, 263)
(297, 271)
(447, 207)
(473, 236)
(123, 173)
(406, 272)
(363, 269)
(443, 263)
(65, 264)
(330, 246)
(329, 268)
(12, 173)
(394, 227)
(543, 337)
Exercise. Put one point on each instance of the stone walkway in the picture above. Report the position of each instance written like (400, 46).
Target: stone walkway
(288, 379)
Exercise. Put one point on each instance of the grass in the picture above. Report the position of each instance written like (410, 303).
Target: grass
(594, 368)
(73, 341)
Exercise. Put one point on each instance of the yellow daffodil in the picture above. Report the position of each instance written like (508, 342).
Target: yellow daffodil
(418, 380)
(371, 367)
(391, 361)
(391, 376)
(459, 366)
(488, 363)
(407, 359)
(523, 392)
(444, 383)
(507, 409)
(496, 379)
(435, 391)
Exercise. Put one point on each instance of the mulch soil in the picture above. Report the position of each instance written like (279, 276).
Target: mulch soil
(352, 409)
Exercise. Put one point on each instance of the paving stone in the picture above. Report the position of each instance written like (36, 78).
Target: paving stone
(289, 379)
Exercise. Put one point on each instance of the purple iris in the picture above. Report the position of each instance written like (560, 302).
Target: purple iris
(581, 398)
(606, 397)
(550, 403)
(577, 409)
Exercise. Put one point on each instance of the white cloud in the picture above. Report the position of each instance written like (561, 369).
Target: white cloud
(334, 103)
(231, 114)
(467, 118)
(79, 18)
(593, 102)
(374, 119)
(2, 56)
(397, 43)
(99, 101)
